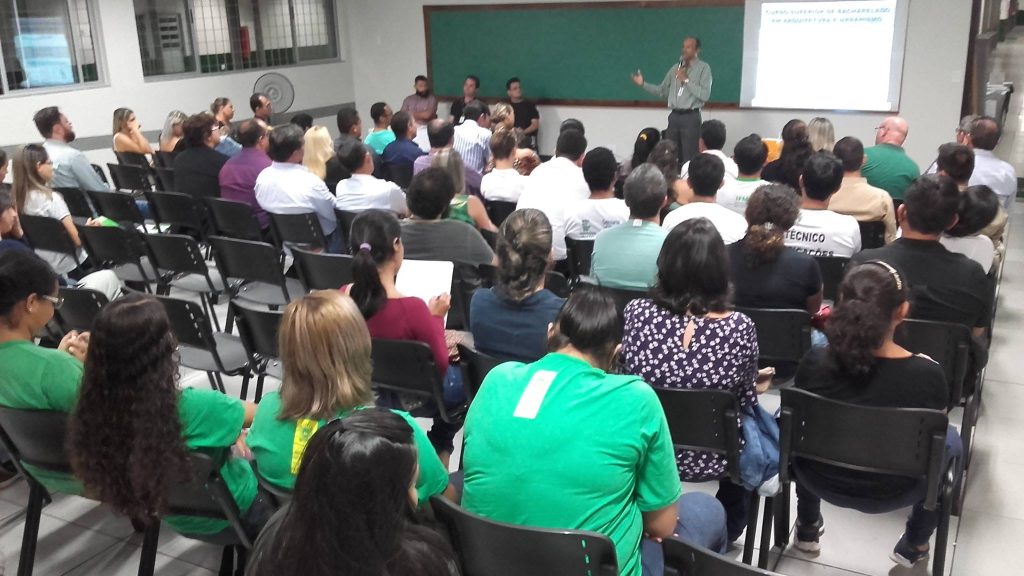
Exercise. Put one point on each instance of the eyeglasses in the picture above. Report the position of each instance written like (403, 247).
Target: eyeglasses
(57, 301)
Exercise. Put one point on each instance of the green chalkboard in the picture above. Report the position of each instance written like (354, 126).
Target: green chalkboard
(581, 53)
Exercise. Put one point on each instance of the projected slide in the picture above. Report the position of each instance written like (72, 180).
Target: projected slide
(834, 55)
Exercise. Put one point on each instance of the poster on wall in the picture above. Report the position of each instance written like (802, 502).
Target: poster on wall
(42, 50)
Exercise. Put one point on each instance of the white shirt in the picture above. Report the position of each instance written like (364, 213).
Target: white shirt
(473, 143)
(734, 194)
(505, 184)
(730, 225)
(551, 188)
(364, 192)
(421, 139)
(978, 248)
(731, 170)
(996, 174)
(39, 203)
(71, 169)
(824, 233)
(585, 219)
(286, 188)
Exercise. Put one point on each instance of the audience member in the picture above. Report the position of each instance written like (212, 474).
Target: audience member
(223, 110)
(287, 187)
(71, 169)
(989, 170)
(354, 506)
(646, 140)
(796, 149)
(586, 218)
(856, 197)
(421, 106)
(238, 176)
(821, 134)
(863, 365)
(572, 124)
(350, 128)
(381, 135)
(302, 120)
(957, 162)
(470, 86)
(173, 131)
(403, 151)
(320, 158)
(197, 167)
(378, 251)
(503, 117)
(262, 108)
(630, 487)
(325, 351)
(626, 256)
(527, 118)
(705, 178)
(504, 182)
(819, 231)
(685, 337)
(130, 462)
(510, 321)
(750, 154)
(664, 155)
(128, 135)
(362, 191)
(441, 135)
(472, 137)
(463, 207)
(978, 205)
(429, 235)
(712, 139)
(888, 166)
(557, 184)
(765, 272)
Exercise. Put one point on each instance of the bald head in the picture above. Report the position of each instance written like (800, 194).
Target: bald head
(893, 130)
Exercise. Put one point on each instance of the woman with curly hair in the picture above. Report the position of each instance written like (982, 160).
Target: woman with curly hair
(510, 321)
(131, 456)
(354, 507)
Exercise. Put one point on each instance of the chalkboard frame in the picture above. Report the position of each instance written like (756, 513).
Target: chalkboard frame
(644, 103)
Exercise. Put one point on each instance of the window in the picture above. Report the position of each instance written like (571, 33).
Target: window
(46, 43)
(211, 36)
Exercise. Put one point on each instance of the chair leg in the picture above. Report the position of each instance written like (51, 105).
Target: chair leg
(220, 382)
(782, 522)
(227, 561)
(31, 534)
(245, 385)
(942, 531)
(241, 558)
(751, 538)
(208, 309)
(766, 533)
(147, 561)
(259, 387)
(213, 382)
(229, 321)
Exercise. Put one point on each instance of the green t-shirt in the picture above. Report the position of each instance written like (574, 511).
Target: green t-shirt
(37, 378)
(210, 419)
(560, 444)
(888, 167)
(626, 256)
(278, 445)
(378, 140)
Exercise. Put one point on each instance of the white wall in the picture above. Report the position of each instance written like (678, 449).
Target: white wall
(91, 110)
(384, 64)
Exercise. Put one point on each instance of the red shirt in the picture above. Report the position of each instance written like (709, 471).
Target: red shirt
(410, 319)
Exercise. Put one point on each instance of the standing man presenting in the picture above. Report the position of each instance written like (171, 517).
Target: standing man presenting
(686, 88)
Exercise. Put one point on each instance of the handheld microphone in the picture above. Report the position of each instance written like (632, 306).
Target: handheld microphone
(682, 61)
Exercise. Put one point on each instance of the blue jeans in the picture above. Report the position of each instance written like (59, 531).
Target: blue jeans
(701, 523)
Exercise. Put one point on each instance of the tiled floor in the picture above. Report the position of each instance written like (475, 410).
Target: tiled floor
(79, 537)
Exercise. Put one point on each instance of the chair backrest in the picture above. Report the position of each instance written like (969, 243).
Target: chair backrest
(302, 230)
(906, 442)
(684, 559)
(782, 335)
(475, 366)
(45, 233)
(165, 179)
(178, 254)
(345, 219)
(406, 366)
(117, 206)
(872, 234)
(128, 177)
(400, 174)
(77, 201)
(164, 159)
(233, 219)
(81, 305)
(248, 260)
(280, 495)
(488, 548)
(191, 326)
(704, 420)
(320, 271)
(99, 172)
(175, 209)
(580, 254)
(557, 284)
(465, 281)
(258, 330)
(498, 210)
(623, 297)
(947, 343)
(114, 246)
(832, 269)
(36, 437)
(205, 494)
(491, 238)
(132, 159)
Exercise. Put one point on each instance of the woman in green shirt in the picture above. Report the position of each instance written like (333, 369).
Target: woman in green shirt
(131, 455)
(463, 207)
(325, 349)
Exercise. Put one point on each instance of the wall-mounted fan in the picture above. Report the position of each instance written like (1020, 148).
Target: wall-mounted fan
(278, 88)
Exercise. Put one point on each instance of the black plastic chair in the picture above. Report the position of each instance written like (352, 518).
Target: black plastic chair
(45, 233)
(279, 495)
(557, 284)
(179, 261)
(81, 305)
(685, 559)
(319, 271)
(475, 367)
(400, 174)
(129, 178)
(300, 230)
(708, 421)
(580, 255)
(177, 211)
(407, 367)
(99, 172)
(905, 442)
(498, 210)
(783, 335)
(623, 297)
(465, 281)
(258, 331)
(164, 179)
(36, 438)
(118, 206)
(488, 548)
(832, 270)
(233, 219)
(258, 266)
(121, 250)
(132, 159)
(491, 238)
(77, 201)
(164, 159)
(872, 234)
(345, 219)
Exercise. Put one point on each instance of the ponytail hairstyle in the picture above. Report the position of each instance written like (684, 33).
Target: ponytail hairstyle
(771, 210)
(524, 251)
(372, 243)
(867, 299)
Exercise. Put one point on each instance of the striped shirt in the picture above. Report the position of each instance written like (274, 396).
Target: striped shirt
(473, 143)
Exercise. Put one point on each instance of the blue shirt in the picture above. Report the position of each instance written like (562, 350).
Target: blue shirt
(228, 147)
(401, 151)
(512, 330)
(626, 256)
